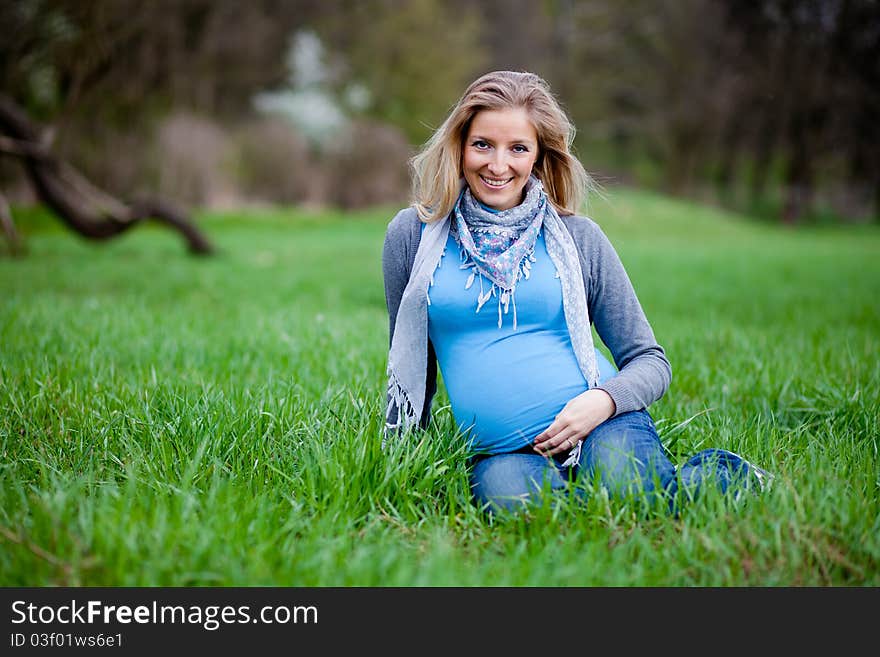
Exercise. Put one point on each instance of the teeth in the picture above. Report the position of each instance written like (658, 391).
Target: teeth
(496, 183)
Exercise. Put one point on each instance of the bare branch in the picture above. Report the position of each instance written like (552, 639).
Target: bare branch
(85, 208)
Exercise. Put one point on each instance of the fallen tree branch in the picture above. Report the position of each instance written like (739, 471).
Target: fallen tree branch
(82, 206)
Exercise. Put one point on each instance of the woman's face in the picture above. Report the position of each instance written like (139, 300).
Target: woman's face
(499, 151)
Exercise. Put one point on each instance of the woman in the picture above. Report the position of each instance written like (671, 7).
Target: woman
(492, 275)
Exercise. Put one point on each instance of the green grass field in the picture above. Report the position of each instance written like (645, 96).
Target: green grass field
(172, 420)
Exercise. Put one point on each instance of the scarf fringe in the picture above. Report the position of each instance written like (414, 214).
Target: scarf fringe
(506, 297)
(406, 412)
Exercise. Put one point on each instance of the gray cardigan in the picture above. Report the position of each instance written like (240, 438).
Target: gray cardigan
(644, 372)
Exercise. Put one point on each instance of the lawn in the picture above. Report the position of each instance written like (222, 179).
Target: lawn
(175, 420)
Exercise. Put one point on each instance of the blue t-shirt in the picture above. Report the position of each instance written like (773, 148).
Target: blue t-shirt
(505, 386)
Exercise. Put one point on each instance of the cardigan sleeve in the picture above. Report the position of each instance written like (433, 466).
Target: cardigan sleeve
(396, 265)
(398, 254)
(644, 372)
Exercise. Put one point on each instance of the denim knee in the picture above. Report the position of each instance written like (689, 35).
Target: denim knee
(510, 481)
(626, 456)
(726, 471)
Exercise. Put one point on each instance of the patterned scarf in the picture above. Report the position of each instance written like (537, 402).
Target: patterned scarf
(498, 247)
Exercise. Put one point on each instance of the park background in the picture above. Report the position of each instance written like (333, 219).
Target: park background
(211, 415)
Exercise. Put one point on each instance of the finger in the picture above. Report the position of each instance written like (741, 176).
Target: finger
(549, 438)
(562, 441)
(552, 450)
(558, 425)
(569, 440)
(545, 448)
(560, 447)
(545, 435)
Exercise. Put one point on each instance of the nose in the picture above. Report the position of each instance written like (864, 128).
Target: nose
(498, 163)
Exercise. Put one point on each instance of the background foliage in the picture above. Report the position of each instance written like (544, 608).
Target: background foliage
(769, 106)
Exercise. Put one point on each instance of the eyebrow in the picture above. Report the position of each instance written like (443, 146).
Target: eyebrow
(516, 140)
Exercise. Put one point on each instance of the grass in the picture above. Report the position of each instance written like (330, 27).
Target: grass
(170, 420)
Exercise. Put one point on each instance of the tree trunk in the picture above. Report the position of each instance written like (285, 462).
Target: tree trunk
(84, 208)
(762, 154)
(15, 245)
(799, 187)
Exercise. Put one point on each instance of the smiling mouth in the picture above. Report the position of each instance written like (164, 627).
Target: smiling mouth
(495, 182)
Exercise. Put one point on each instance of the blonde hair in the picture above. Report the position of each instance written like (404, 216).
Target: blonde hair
(436, 169)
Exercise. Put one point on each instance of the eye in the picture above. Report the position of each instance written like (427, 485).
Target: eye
(519, 148)
(479, 144)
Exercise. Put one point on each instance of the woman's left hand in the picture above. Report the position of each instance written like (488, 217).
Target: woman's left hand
(579, 417)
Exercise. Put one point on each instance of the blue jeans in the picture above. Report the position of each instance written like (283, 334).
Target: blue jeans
(623, 453)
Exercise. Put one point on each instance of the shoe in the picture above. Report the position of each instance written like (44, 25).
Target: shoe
(763, 477)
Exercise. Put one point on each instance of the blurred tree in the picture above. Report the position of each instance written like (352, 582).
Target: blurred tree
(715, 91)
(412, 58)
(98, 70)
(83, 207)
(101, 74)
(647, 80)
(773, 95)
(814, 73)
(123, 58)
